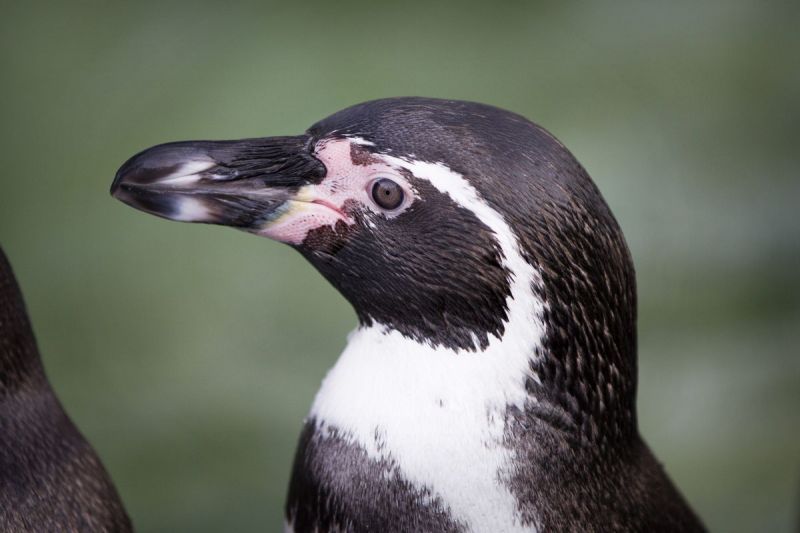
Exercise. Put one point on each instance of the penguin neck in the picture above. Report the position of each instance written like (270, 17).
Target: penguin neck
(385, 383)
(473, 429)
(463, 424)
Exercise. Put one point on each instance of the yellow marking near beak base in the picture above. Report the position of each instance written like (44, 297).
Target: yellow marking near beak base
(300, 202)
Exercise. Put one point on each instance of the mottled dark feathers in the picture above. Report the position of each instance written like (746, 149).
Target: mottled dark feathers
(50, 477)
(336, 487)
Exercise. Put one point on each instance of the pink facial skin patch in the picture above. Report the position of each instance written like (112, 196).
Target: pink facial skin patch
(351, 170)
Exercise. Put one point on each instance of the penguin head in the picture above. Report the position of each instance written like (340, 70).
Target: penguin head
(434, 218)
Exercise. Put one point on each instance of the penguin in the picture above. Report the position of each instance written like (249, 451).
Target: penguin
(490, 385)
(51, 479)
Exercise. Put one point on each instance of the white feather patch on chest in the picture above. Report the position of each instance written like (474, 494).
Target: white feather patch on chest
(439, 414)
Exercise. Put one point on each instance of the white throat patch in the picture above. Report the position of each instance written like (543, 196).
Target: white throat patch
(439, 414)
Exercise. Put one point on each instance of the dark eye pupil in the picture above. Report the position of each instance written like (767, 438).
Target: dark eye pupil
(387, 193)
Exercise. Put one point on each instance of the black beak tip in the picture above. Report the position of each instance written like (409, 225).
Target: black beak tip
(154, 164)
(129, 173)
(144, 182)
(115, 185)
(125, 175)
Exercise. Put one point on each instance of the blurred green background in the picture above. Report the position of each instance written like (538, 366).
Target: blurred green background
(189, 354)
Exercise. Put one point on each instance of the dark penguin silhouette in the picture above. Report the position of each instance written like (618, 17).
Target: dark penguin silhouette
(50, 477)
(491, 382)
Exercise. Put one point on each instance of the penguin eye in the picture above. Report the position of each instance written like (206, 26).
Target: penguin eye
(387, 194)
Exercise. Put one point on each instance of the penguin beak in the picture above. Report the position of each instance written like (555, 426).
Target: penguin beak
(243, 183)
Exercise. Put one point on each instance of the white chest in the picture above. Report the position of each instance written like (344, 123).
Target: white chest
(438, 415)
